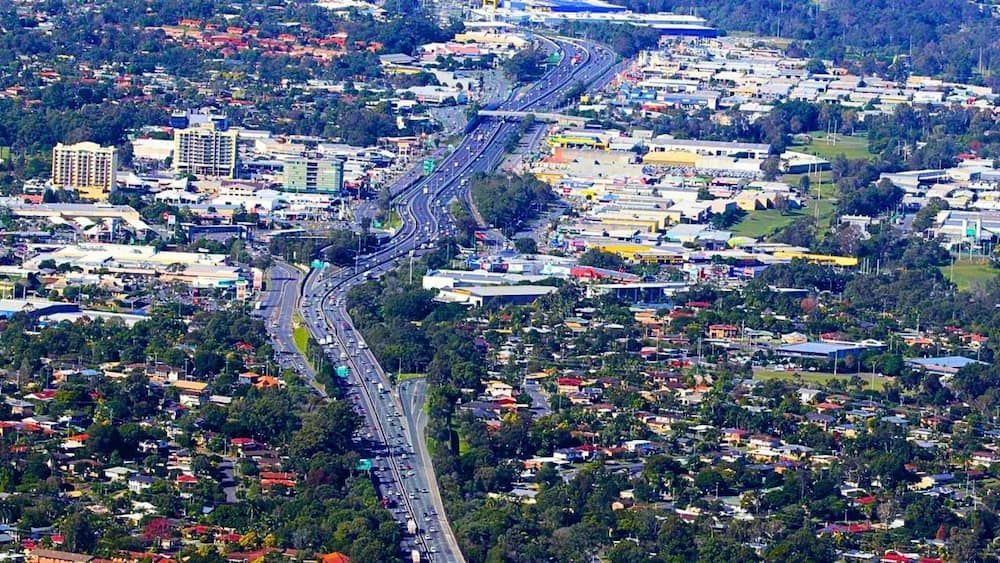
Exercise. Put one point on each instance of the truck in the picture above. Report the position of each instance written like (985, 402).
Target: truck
(414, 556)
(411, 526)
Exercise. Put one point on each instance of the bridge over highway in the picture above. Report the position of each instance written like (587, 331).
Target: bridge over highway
(540, 116)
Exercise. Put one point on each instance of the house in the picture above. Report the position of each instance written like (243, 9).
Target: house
(985, 458)
(53, 556)
(498, 389)
(734, 436)
(139, 483)
(723, 331)
(118, 474)
(247, 378)
(808, 395)
(192, 393)
(567, 385)
(19, 407)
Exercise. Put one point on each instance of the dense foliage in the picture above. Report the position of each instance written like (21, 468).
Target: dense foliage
(508, 201)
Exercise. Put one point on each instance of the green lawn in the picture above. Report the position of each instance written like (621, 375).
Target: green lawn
(301, 337)
(965, 274)
(824, 147)
(393, 222)
(820, 378)
(408, 376)
(764, 223)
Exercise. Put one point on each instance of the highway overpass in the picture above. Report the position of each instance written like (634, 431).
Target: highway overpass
(540, 116)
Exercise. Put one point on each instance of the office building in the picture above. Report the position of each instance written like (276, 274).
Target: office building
(86, 167)
(207, 150)
(308, 174)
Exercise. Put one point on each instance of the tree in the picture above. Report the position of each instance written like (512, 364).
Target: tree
(157, 529)
(803, 546)
(526, 245)
(804, 183)
(928, 213)
(771, 167)
(78, 533)
(525, 65)
(601, 259)
(328, 430)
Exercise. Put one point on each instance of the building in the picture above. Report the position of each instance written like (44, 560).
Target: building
(479, 296)
(826, 350)
(944, 365)
(308, 174)
(53, 556)
(207, 150)
(86, 167)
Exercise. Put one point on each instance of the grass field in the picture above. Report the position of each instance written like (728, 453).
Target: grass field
(764, 223)
(408, 376)
(821, 146)
(301, 337)
(300, 334)
(393, 222)
(769, 221)
(965, 274)
(821, 378)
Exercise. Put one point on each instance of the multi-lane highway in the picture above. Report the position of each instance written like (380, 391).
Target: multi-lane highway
(393, 428)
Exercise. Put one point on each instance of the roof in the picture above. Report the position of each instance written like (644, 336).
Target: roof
(509, 290)
(818, 348)
(185, 385)
(61, 555)
(952, 362)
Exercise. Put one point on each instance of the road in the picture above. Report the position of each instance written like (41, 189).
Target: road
(277, 308)
(405, 474)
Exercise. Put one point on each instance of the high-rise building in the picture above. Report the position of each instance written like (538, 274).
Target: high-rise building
(308, 174)
(207, 150)
(86, 167)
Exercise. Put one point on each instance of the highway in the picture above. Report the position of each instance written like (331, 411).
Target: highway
(404, 472)
(277, 307)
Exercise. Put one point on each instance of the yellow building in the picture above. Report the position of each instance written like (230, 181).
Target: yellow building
(87, 168)
(844, 261)
(671, 158)
(577, 140)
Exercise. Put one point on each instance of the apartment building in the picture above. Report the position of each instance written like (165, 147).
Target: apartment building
(308, 174)
(86, 167)
(207, 150)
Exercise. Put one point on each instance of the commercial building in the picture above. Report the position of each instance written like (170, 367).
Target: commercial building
(944, 365)
(207, 150)
(194, 268)
(826, 350)
(87, 168)
(479, 296)
(309, 174)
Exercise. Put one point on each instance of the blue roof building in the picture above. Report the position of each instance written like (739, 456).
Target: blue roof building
(943, 365)
(822, 350)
